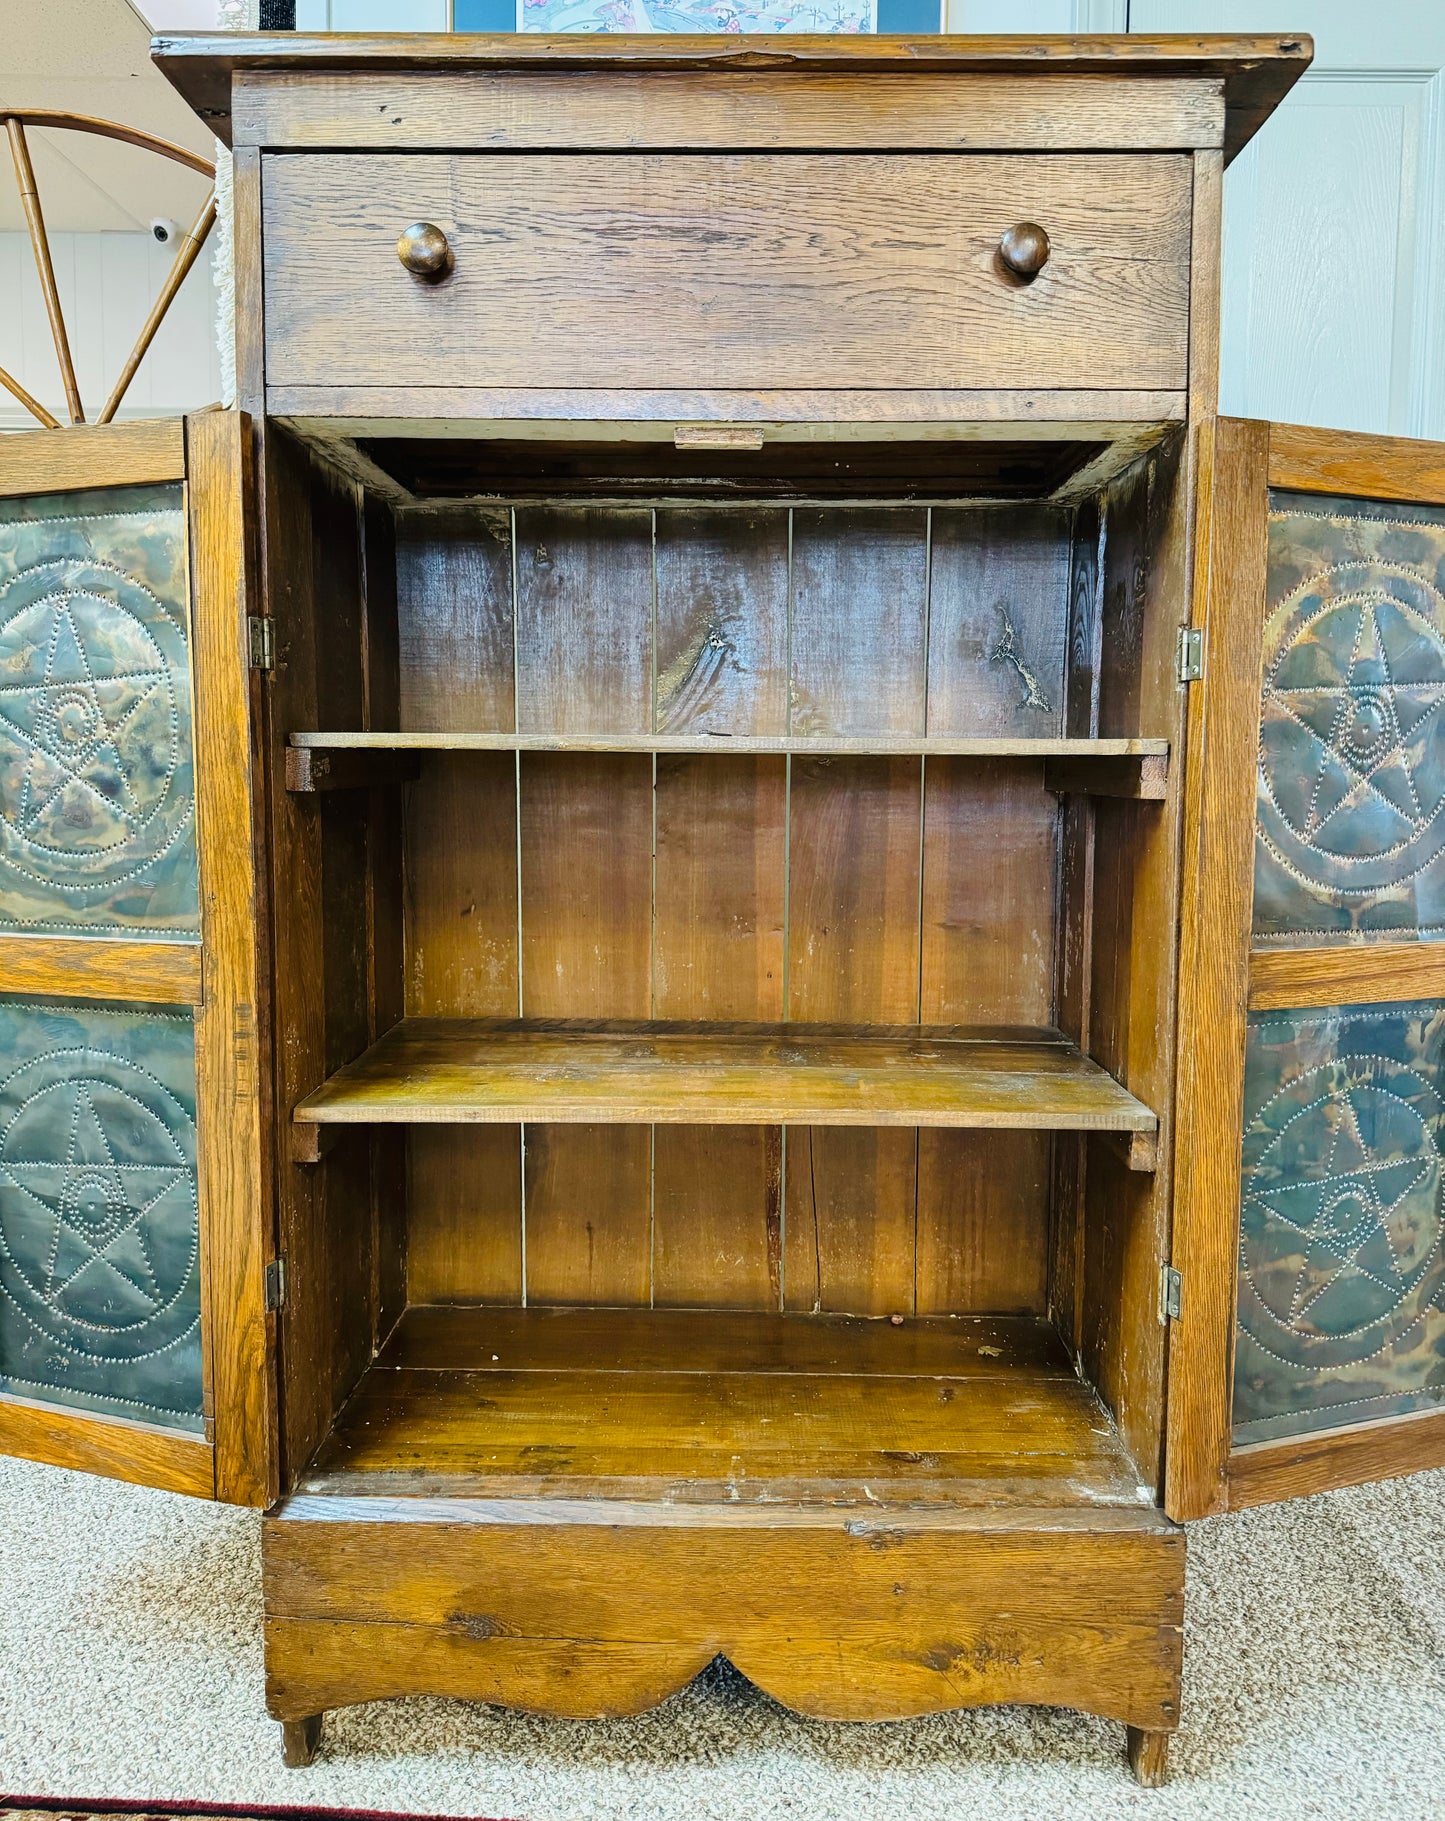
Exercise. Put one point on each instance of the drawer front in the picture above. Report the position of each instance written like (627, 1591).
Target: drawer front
(728, 271)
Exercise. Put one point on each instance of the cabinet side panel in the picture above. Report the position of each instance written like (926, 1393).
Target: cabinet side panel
(313, 540)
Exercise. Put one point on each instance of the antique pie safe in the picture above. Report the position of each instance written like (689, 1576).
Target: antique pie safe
(723, 937)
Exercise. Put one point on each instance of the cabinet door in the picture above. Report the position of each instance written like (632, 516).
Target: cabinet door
(134, 1222)
(1309, 1350)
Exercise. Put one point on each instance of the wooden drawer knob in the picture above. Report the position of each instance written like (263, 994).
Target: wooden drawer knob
(424, 250)
(1024, 249)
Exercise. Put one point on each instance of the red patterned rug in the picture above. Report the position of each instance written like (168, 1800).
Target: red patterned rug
(54, 1808)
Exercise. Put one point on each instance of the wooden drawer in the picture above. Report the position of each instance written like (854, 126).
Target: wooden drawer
(728, 271)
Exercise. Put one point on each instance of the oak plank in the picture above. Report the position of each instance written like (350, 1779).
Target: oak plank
(823, 745)
(859, 605)
(584, 619)
(1214, 962)
(454, 613)
(137, 454)
(140, 1453)
(1305, 460)
(739, 256)
(232, 1020)
(1365, 973)
(156, 973)
(722, 623)
(463, 1214)
(999, 579)
(990, 862)
(1353, 1456)
(619, 1340)
(622, 112)
(497, 1071)
(850, 1220)
(460, 873)
(588, 1214)
(853, 933)
(983, 1222)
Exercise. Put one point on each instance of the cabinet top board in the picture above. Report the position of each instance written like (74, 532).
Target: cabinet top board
(1256, 71)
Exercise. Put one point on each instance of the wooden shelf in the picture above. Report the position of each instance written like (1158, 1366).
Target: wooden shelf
(444, 1071)
(359, 761)
(821, 744)
(702, 1406)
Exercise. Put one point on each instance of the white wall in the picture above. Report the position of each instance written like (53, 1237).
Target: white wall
(107, 284)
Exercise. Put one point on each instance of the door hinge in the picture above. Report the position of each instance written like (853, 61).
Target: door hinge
(1191, 654)
(275, 1284)
(261, 642)
(1171, 1293)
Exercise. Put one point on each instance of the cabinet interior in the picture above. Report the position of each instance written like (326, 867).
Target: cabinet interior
(645, 839)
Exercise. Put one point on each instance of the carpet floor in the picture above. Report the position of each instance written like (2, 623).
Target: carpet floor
(130, 1665)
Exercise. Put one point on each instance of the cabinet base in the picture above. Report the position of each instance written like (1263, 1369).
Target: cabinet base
(597, 1609)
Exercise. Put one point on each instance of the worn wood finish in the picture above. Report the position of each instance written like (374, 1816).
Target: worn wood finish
(998, 583)
(1146, 782)
(300, 1741)
(454, 609)
(1352, 1456)
(497, 1071)
(721, 653)
(310, 768)
(463, 1214)
(822, 746)
(588, 1208)
(1303, 460)
(312, 542)
(1257, 72)
(1149, 1756)
(717, 1217)
(1360, 974)
(155, 973)
(858, 631)
(87, 1443)
(596, 1622)
(983, 1222)
(94, 455)
(990, 861)
(623, 113)
(1218, 875)
(619, 1340)
(584, 620)
(233, 1020)
(460, 871)
(805, 233)
(987, 413)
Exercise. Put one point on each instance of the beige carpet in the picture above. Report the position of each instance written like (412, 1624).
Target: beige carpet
(130, 1665)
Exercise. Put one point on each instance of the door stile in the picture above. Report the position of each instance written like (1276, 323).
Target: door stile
(237, 1215)
(1230, 976)
(1218, 877)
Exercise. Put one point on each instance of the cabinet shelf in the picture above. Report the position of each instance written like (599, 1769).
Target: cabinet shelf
(691, 1407)
(1104, 767)
(444, 1071)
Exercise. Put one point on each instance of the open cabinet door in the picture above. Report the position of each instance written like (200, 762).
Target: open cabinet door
(135, 1222)
(1309, 1347)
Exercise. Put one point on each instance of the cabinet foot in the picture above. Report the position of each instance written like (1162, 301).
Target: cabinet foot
(1149, 1757)
(299, 1739)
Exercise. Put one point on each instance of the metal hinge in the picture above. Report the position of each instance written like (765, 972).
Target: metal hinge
(1191, 654)
(275, 1284)
(1171, 1293)
(261, 642)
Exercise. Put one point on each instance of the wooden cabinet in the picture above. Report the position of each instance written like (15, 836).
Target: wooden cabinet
(799, 1007)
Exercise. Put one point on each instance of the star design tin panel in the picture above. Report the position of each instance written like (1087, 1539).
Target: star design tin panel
(97, 795)
(1341, 1261)
(1350, 806)
(100, 1285)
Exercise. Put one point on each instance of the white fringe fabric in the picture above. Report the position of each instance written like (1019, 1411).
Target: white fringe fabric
(231, 16)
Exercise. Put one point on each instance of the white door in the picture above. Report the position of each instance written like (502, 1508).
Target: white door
(1334, 217)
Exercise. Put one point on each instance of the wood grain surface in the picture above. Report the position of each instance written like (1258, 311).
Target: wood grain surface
(497, 1071)
(157, 973)
(623, 113)
(675, 270)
